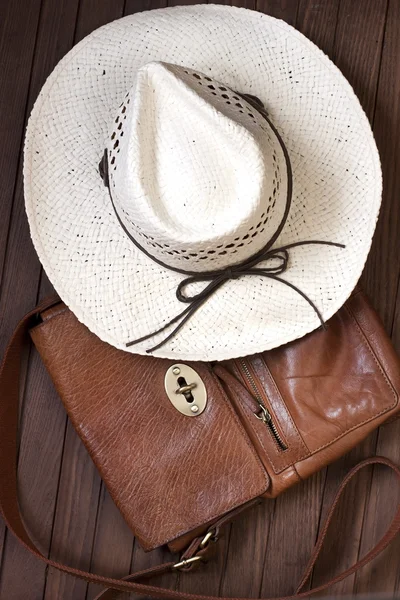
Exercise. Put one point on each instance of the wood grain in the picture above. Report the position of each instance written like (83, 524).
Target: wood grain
(280, 9)
(18, 30)
(381, 277)
(318, 21)
(357, 51)
(248, 542)
(184, 2)
(292, 535)
(383, 281)
(133, 6)
(67, 508)
(21, 277)
(75, 519)
(78, 504)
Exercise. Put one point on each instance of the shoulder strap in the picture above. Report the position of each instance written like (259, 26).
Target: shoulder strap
(9, 388)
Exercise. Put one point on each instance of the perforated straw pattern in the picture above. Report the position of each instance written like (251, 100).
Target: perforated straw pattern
(233, 199)
(113, 288)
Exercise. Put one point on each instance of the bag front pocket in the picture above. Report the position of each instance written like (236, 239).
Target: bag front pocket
(263, 412)
(332, 381)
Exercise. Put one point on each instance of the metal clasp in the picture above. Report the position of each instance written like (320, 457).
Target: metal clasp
(185, 389)
(207, 538)
(184, 563)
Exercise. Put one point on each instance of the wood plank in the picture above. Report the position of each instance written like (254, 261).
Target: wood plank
(383, 574)
(318, 21)
(113, 543)
(18, 29)
(254, 536)
(388, 445)
(186, 2)
(291, 537)
(358, 47)
(244, 565)
(133, 6)
(75, 519)
(357, 52)
(383, 267)
(251, 4)
(144, 560)
(79, 491)
(359, 44)
(208, 578)
(342, 545)
(246, 561)
(280, 9)
(94, 14)
(19, 293)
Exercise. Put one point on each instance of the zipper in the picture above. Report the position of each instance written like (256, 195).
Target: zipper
(264, 415)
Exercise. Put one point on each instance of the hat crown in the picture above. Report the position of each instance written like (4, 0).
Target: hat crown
(197, 175)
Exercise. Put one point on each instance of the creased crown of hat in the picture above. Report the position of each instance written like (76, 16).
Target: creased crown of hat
(197, 175)
(224, 197)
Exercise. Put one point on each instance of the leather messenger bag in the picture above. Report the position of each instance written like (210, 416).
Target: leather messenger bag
(260, 425)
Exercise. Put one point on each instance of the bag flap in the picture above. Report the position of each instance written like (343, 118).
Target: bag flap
(168, 473)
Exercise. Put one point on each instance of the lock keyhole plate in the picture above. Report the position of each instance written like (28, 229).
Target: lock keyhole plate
(185, 389)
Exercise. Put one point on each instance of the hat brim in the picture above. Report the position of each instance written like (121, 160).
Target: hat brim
(118, 292)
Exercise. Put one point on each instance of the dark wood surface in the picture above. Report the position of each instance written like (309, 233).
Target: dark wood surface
(62, 497)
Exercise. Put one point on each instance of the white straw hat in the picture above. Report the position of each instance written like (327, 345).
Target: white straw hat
(242, 183)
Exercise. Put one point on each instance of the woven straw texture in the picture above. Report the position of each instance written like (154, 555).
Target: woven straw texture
(111, 286)
(197, 175)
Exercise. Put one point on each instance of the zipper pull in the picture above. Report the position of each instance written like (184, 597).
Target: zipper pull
(264, 415)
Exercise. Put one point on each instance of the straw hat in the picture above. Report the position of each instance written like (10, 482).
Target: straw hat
(238, 188)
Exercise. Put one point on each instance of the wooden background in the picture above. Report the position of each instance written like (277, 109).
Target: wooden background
(64, 502)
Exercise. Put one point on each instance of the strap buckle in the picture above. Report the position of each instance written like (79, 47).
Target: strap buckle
(199, 555)
(210, 536)
(185, 563)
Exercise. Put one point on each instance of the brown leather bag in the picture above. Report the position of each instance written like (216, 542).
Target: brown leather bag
(270, 421)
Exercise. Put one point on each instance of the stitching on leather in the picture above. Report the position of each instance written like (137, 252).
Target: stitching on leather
(253, 451)
(297, 473)
(252, 425)
(278, 469)
(368, 346)
(275, 468)
(62, 310)
(307, 451)
(394, 394)
(271, 408)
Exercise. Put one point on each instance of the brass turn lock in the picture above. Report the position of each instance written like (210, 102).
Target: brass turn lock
(186, 390)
